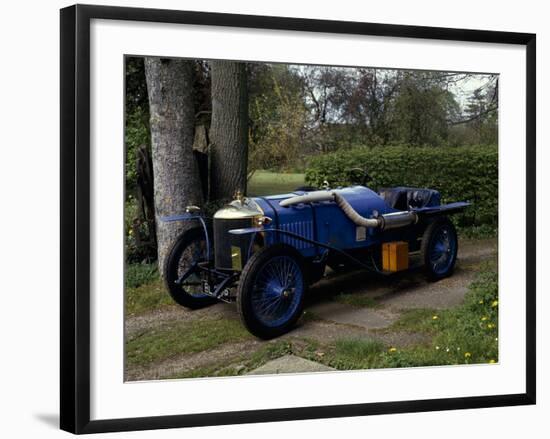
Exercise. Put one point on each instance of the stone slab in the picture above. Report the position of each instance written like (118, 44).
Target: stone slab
(290, 364)
(350, 315)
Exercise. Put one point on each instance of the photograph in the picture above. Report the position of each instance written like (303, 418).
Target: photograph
(296, 218)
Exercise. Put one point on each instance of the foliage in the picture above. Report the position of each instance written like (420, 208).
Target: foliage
(478, 231)
(139, 243)
(370, 106)
(137, 134)
(459, 173)
(277, 117)
(421, 110)
(137, 117)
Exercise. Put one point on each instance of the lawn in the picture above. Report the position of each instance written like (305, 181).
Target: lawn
(270, 183)
(181, 337)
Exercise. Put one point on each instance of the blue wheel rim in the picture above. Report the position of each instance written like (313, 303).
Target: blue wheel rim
(442, 250)
(277, 291)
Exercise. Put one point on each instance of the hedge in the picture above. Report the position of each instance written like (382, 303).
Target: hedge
(459, 173)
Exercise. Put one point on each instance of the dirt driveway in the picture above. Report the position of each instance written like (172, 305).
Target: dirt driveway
(344, 306)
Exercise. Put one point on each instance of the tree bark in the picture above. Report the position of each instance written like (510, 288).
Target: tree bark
(175, 172)
(228, 130)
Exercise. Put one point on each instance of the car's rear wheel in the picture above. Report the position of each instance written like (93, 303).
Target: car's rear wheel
(271, 291)
(190, 248)
(439, 248)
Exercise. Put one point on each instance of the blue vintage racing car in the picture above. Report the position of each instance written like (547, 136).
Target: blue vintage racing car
(264, 252)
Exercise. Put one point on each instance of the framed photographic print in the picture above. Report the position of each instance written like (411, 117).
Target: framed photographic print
(271, 218)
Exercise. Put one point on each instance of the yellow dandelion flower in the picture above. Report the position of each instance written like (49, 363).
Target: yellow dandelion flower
(392, 349)
(467, 354)
(435, 317)
(495, 303)
(484, 318)
(491, 361)
(480, 302)
(490, 325)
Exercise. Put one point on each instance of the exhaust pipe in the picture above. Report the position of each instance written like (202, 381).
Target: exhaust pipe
(398, 219)
(384, 222)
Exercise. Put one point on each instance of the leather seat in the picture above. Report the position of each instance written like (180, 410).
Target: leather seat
(406, 198)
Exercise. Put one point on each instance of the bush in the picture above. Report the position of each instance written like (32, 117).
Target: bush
(140, 244)
(458, 173)
(136, 134)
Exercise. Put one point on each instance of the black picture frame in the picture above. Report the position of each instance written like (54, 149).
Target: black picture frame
(75, 217)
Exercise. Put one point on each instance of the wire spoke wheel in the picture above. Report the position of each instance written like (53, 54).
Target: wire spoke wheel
(271, 290)
(187, 251)
(277, 291)
(439, 248)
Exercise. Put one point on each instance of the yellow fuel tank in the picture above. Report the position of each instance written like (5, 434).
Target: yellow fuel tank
(395, 256)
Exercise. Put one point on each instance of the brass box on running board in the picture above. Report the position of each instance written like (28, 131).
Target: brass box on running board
(395, 256)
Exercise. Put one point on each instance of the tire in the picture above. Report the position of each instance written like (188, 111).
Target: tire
(190, 245)
(439, 249)
(271, 291)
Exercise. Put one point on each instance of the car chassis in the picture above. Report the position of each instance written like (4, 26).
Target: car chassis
(272, 248)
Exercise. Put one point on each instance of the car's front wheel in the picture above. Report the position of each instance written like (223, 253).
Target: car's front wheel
(189, 249)
(271, 291)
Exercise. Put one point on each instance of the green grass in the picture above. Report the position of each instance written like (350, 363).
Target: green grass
(239, 365)
(467, 334)
(357, 300)
(271, 183)
(415, 320)
(210, 370)
(357, 353)
(346, 353)
(139, 274)
(183, 338)
(147, 297)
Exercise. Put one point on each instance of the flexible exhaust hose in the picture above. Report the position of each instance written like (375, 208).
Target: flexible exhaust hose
(352, 214)
(385, 222)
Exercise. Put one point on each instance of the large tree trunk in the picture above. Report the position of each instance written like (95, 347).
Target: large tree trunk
(176, 178)
(228, 130)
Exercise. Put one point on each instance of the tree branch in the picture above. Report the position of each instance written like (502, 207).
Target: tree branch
(470, 119)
